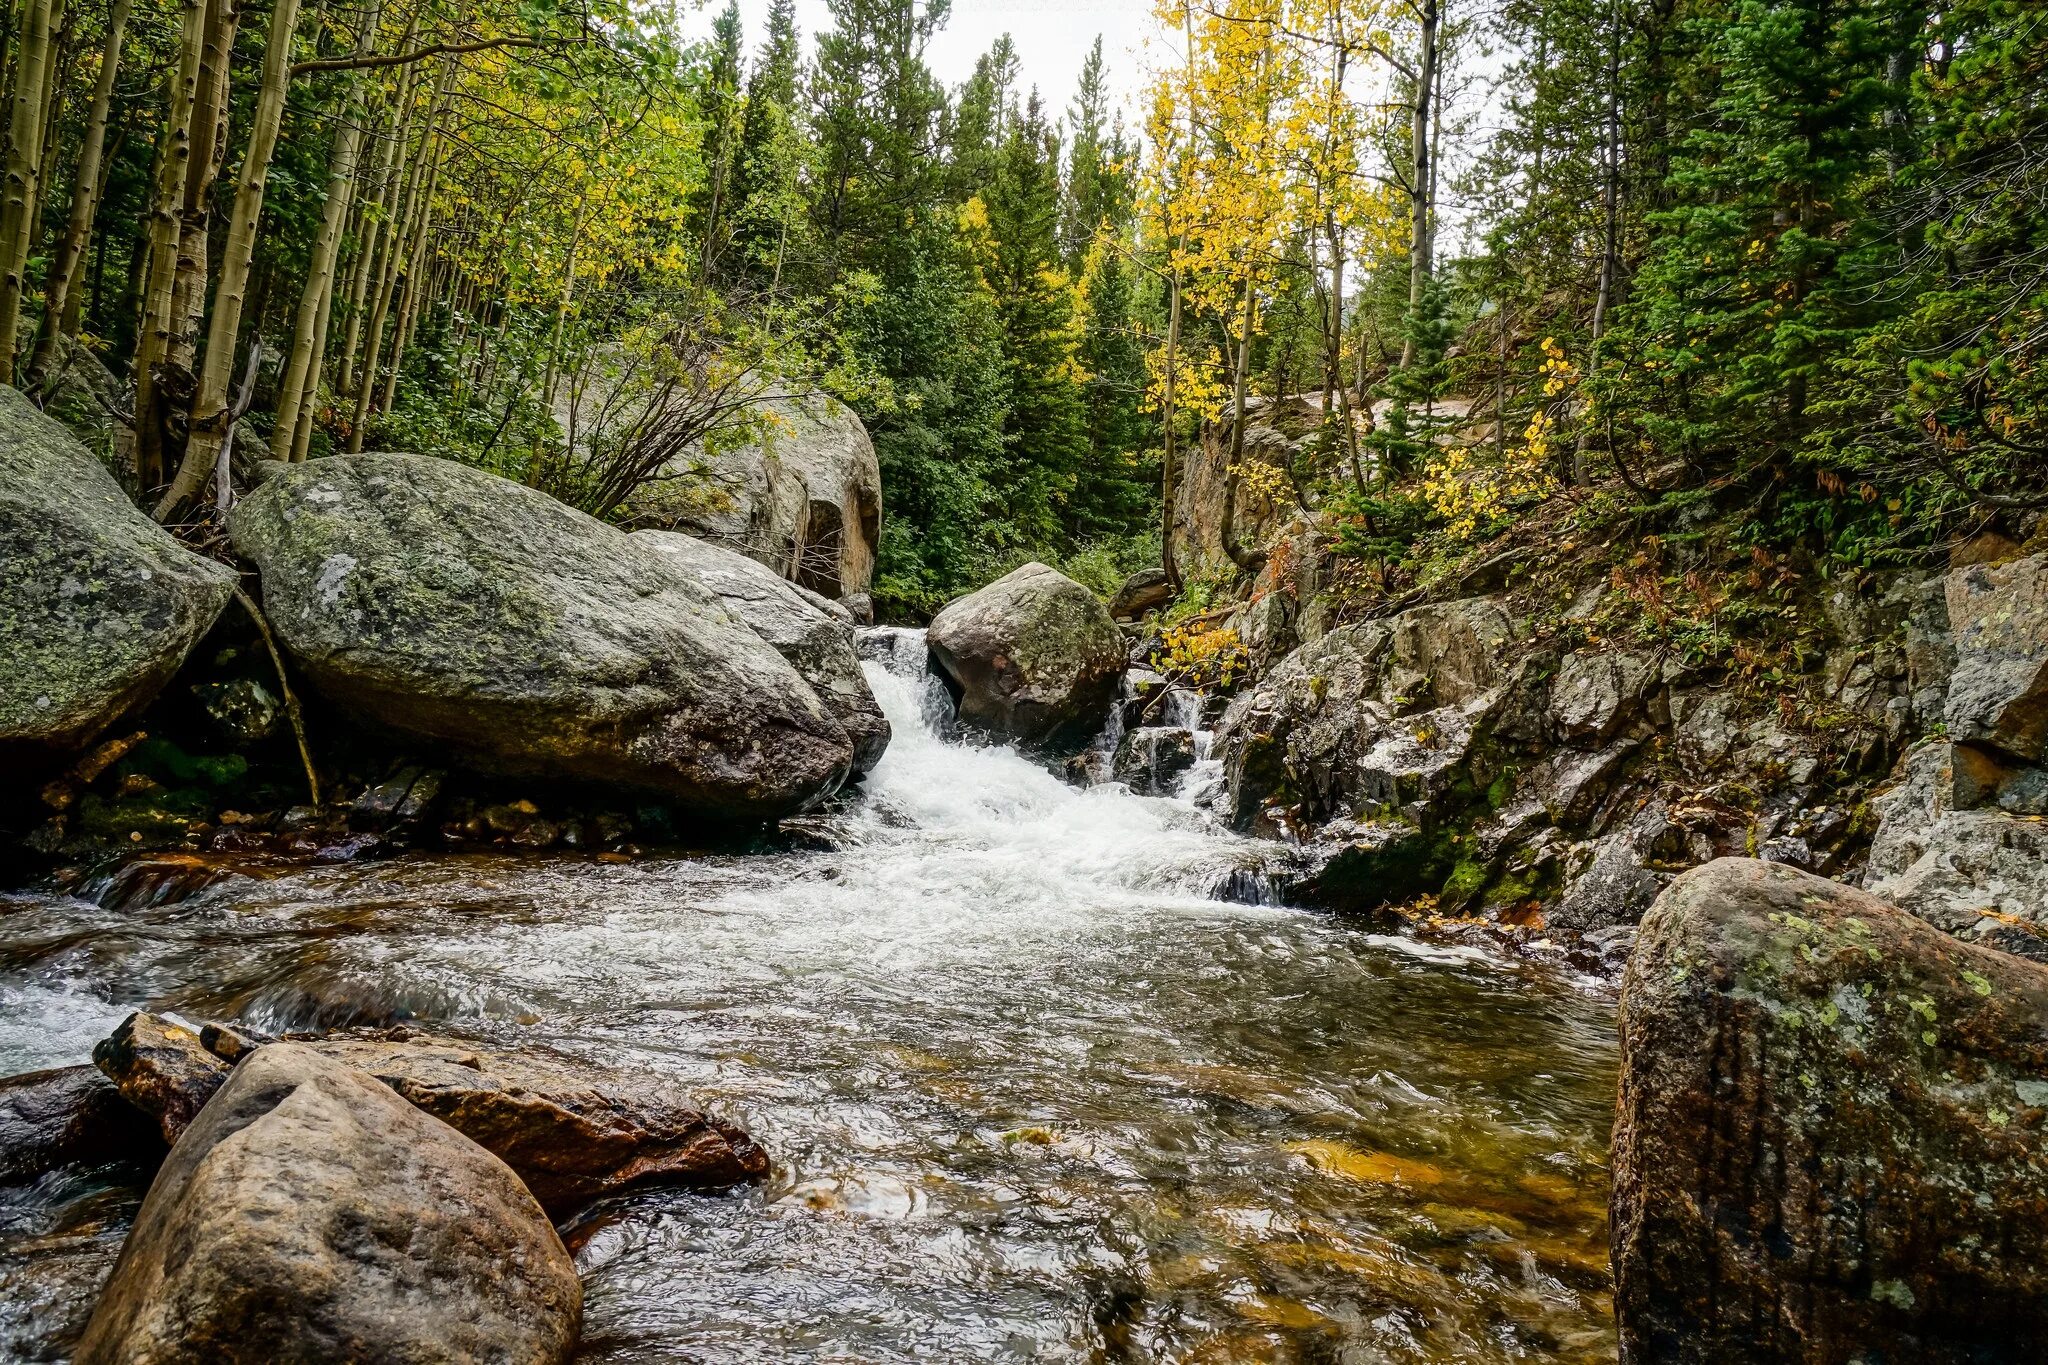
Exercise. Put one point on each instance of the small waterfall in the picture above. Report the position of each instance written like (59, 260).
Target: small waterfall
(935, 812)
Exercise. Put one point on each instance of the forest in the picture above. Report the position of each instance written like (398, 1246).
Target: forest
(1792, 249)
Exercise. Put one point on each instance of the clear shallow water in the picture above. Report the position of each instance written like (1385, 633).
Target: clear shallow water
(1031, 1093)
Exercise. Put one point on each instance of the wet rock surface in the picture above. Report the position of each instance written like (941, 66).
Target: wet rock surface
(68, 1116)
(1830, 1133)
(1033, 658)
(571, 1134)
(98, 604)
(162, 1068)
(483, 619)
(309, 1214)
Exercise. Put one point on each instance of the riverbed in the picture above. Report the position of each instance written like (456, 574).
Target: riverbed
(1032, 1091)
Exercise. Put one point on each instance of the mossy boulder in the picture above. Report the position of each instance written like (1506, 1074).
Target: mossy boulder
(98, 604)
(1033, 657)
(492, 625)
(1830, 1139)
(814, 633)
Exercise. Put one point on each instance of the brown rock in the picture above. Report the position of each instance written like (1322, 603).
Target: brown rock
(161, 1068)
(309, 1215)
(70, 1115)
(573, 1136)
(1830, 1140)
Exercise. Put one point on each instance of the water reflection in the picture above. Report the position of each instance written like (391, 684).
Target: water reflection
(1032, 1095)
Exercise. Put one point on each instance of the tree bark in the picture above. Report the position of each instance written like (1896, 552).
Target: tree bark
(154, 318)
(24, 146)
(1166, 557)
(210, 420)
(61, 295)
(302, 375)
(1422, 174)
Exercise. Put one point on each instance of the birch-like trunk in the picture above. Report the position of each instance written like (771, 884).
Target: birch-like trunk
(61, 295)
(288, 439)
(154, 319)
(209, 417)
(1422, 175)
(24, 146)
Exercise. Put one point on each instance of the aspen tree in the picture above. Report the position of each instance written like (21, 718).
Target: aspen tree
(301, 375)
(24, 146)
(208, 428)
(61, 295)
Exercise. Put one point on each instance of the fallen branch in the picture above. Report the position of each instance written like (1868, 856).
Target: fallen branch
(291, 701)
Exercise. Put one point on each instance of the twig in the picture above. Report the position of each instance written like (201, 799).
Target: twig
(291, 701)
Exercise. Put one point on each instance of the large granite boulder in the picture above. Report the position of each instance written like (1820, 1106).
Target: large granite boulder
(803, 495)
(482, 618)
(98, 604)
(1033, 657)
(311, 1215)
(1830, 1139)
(813, 632)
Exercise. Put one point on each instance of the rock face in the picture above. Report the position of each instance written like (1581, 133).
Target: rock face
(571, 1136)
(1150, 760)
(98, 604)
(1960, 840)
(69, 1115)
(814, 633)
(1830, 1134)
(1998, 692)
(483, 618)
(1961, 844)
(805, 499)
(311, 1215)
(1033, 657)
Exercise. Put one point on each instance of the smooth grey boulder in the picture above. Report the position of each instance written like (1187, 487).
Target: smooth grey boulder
(811, 631)
(803, 494)
(1998, 689)
(483, 618)
(98, 604)
(1829, 1140)
(1033, 657)
(311, 1215)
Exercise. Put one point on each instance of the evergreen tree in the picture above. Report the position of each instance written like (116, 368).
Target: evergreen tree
(1044, 436)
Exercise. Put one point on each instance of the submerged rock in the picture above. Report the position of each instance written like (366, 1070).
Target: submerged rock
(477, 616)
(570, 1134)
(1831, 1132)
(311, 1215)
(1033, 657)
(814, 633)
(72, 1115)
(98, 604)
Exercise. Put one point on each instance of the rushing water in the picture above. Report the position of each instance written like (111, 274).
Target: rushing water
(1032, 1094)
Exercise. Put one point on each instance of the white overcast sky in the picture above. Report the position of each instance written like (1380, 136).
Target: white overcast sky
(1052, 38)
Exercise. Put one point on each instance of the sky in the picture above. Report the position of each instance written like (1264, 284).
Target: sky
(1052, 38)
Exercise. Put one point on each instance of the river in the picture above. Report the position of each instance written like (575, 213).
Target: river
(1033, 1094)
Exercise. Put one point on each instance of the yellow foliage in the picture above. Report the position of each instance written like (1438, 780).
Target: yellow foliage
(1201, 656)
